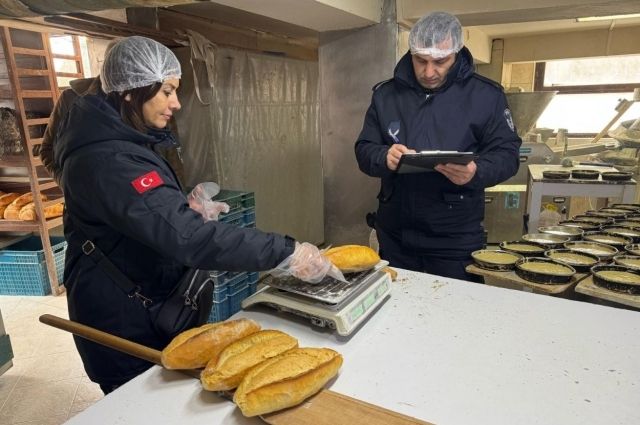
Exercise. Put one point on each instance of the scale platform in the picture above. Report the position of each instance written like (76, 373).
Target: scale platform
(330, 303)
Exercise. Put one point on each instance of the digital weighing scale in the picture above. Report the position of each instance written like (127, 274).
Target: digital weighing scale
(341, 306)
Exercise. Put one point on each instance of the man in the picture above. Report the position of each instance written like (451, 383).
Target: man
(432, 221)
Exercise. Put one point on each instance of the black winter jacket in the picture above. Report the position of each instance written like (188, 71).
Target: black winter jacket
(144, 226)
(427, 212)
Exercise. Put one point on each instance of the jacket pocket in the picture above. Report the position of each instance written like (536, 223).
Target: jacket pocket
(452, 214)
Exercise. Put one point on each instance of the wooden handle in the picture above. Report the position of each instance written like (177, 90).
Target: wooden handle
(111, 341)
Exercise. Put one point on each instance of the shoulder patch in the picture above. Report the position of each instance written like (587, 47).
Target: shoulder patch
(147, 182)
(488, 80)
(380, 84)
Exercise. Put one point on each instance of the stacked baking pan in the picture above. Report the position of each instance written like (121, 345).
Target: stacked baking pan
(605, 243)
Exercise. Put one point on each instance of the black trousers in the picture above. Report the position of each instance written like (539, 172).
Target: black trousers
(391, 249)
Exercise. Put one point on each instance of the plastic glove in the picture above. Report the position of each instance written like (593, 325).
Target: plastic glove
(308, 264)
(200, 200)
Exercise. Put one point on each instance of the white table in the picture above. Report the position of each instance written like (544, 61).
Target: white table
(538, 186)
(445, 351)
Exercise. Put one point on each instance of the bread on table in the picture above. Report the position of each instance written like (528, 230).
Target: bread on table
(352, 258)
(286, 380)
(234, 362)
(195, 347)
(28, 212)
(12, 212)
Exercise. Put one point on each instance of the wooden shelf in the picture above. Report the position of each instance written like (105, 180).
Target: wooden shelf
(30, 114)
(28, 226)
(24, 179)
(14, 161)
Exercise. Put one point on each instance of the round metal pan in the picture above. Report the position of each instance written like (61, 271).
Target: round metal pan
(606, 214)
(523, 248)
(627, 260)
(618, 241)
(633, 249)
(631, 223)
(547, 240)
(495, 259)
(593, 218)
(573, 233)
(580, 261)
(630, 207)
(617, 211)
(602, 251)
(616, 175)
(631, 233)
(544, 270)
(586, 226)
(585, 174)
(556, 175)
(601, 278)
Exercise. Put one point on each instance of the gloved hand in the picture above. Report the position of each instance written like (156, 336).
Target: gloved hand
(308, 264)
(200, 201)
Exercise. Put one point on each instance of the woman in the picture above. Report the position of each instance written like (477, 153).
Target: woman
(125, 198)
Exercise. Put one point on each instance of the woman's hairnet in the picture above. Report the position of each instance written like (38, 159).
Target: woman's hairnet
(437, 35)
(137, 62)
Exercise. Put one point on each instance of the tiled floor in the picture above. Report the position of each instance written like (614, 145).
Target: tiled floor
(47, 384)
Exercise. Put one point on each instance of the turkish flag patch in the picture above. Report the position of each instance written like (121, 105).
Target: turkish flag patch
(147, 182)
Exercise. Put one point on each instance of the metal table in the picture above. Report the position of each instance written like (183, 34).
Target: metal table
(538, 186)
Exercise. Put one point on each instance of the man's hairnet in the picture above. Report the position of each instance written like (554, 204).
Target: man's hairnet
(437, 35)
(137, 62)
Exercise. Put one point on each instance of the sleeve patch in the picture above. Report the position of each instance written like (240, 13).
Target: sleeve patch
(147, 182)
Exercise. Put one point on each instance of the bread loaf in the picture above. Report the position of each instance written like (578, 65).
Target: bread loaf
(352, 258)
(5, 200)
(196, 347)
(286, 380)
(235, 360)
(12, 212)
(28, 212)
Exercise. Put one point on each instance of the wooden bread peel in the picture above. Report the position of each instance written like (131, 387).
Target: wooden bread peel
(325, 408)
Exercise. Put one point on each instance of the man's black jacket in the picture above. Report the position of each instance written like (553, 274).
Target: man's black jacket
(427, 212)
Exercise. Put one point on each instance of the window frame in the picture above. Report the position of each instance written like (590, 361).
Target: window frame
(538, 85)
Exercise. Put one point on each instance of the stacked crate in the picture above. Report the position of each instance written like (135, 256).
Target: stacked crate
(232, 287)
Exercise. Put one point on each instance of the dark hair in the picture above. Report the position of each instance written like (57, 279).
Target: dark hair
(131, 110)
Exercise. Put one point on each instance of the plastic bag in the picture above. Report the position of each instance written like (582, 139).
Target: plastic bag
(200, 200)
(549, 216)
(308, 264)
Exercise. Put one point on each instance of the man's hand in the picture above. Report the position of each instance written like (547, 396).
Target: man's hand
(394, 153)
(457, 173)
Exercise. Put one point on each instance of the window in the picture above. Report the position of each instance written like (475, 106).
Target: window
(67, 58)
(589, 92)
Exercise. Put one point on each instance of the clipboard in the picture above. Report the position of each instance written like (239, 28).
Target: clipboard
(421, 162)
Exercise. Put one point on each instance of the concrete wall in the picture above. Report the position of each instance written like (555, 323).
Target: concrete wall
(350, 64)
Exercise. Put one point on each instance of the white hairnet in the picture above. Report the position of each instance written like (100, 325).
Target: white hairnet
(437, 35)
(137, 62)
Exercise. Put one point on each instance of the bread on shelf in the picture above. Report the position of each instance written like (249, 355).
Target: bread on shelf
(28, 212)
(12, 212)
